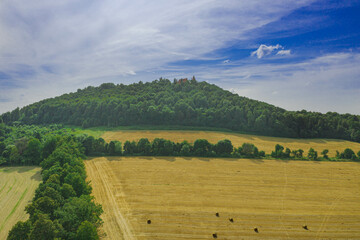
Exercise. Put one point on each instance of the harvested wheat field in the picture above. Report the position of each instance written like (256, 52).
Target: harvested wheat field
(179, 198)
(266, 144)
(17, 188)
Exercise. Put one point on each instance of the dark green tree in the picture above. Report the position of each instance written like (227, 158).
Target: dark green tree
(312, 154)
(87, 231)
(202, 147)
(224, 148)
(144, 146)
(111, 148)
(77, 210)
(33, 151)
(185, 149)
(347, 154)
(20, 231)
(43, 229)
(67, 191)
(324, 153)
(49, 146)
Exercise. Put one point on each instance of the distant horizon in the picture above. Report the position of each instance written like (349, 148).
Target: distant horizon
(74, 91)
(296, 55)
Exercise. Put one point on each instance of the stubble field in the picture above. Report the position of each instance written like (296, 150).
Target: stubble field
(182, 195)
(17, 188)
(264, 143)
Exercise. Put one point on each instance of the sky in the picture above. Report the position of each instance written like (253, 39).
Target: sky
(301, 54)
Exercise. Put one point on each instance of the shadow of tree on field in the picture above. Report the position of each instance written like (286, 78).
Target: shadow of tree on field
(37, 176)
(19, 169)
(257, 161)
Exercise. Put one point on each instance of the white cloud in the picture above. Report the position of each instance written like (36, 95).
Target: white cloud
(82, 43)
(226, 61)
(264, 50)
(284, 52)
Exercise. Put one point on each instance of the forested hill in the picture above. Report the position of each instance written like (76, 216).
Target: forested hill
(182, 102)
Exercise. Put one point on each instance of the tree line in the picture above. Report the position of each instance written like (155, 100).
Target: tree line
(202, 148)
(62, 207)
(185, 103)
(33, 148)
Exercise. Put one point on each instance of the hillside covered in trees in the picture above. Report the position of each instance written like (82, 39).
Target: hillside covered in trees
(182, 102)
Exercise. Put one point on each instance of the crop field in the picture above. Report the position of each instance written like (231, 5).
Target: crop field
(181, 196)
(266, 144)
(17, 188)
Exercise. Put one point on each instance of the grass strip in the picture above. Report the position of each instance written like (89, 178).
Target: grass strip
(11, 186)
(4, 186)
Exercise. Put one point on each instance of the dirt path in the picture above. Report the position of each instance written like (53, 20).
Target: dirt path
(116, 226)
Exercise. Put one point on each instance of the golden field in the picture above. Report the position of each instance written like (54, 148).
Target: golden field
(182, 195)
(266, 144)
(17, 188)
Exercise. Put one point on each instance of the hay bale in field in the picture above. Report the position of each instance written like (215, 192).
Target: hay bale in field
(148, 221)
(231, 220)
(217, 214)
(214, 235)
(256, 230)
(305, 227)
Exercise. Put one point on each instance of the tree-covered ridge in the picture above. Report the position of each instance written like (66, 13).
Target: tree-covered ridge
(186, 103)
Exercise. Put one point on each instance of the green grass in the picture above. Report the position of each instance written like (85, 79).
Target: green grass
(11, 186)
(98, 131)
(4, 186)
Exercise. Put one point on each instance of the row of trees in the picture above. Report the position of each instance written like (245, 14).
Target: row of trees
(200, 148)
(281, 153)
(185, 103)
(62, 207)
(32, 151)
(163, 147)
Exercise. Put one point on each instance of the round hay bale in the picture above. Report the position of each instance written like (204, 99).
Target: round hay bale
(217, 214)
(231, 220)
(214, 235)
(148, 221)
(256, 230)
(305, 227)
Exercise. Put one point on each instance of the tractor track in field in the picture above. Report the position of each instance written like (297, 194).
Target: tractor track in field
(119, 225)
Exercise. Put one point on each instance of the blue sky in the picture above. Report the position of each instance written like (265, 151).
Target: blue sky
(298, 55)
